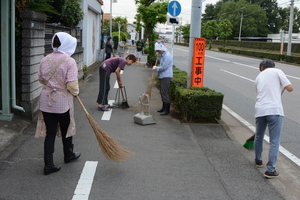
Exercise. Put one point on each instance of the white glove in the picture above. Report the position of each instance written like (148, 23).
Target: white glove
(154, 67)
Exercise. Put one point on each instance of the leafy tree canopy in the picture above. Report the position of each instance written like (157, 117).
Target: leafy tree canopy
(150, 13)
(253, 18)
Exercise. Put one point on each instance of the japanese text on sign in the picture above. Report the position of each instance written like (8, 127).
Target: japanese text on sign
(198, 62)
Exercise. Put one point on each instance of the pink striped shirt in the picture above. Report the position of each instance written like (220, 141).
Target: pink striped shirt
(53, 98)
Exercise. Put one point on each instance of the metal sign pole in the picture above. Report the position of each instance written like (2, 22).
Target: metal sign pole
(195, 31)
(173, 30)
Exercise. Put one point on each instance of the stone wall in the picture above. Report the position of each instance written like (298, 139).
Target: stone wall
(33, 51)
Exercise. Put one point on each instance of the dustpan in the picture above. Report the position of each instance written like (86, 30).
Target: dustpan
(141, 117)
(121, 103)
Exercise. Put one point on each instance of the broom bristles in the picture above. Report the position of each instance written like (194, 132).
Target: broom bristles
(249, 142)
(110, 148)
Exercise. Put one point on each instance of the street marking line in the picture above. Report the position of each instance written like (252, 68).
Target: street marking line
(248, 78)
(282, 150)
(116, 85)
(245, 65)
(85, 182)
(205, 55)
(293, 77)
(237, 75)
(182, 49)
(217, 58)
(107, 114)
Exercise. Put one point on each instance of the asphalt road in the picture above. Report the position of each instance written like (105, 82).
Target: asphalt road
(234, 76)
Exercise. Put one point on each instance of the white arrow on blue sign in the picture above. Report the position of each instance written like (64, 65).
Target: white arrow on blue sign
(174, 8)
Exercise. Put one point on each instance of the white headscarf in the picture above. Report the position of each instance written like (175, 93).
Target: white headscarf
(67, 43)
(160, 46)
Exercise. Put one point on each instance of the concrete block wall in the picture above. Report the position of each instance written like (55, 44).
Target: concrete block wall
(33, 50)
(78, 56)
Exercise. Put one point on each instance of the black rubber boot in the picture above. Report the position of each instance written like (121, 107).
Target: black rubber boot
(70, 155)
(163, 108)
(49, 165)
(167, 109)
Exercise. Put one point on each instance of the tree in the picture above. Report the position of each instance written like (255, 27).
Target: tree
(178, 34)
(225, 30)
(115, 30)
(186, 33)
(71, 13)
(209, 13)
(210, 31)
(253, 16)
(271, 8)
(123, 22)
(150, 13)
(67, 12)
(105, 27)
(285, 18)
(41, 6)
(138, 24)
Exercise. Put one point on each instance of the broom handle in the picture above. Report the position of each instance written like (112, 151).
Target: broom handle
(152, 77)
(80, 102)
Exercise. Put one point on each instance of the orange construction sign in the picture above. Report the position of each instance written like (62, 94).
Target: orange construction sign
(197, 76)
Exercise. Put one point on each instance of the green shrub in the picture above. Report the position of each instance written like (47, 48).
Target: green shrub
(197, 104)
(179, 80)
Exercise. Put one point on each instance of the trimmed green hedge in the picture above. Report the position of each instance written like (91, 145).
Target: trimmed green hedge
(197, 104)
(258, 54)
(274, 46)
(179, 80)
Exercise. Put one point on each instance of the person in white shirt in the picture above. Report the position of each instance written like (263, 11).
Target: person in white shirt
(270, 84)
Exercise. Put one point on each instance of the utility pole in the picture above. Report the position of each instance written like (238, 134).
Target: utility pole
(289, 47)
(195, 31)
(241, 27)
(110, 20)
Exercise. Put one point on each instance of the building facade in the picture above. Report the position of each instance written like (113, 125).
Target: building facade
(91, 31)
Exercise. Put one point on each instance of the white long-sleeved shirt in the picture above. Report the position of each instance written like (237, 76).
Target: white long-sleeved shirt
(166, 65)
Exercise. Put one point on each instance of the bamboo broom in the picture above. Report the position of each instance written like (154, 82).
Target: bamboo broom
(109, 147)
(149, 88)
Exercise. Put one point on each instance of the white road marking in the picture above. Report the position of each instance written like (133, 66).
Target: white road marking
(181, 49)
(217, 58)
(293, 77)
(245, 65)
(116, 85)
(107, 114)
(282, 150)
(237, 75)
(235, 62)
(85, 182)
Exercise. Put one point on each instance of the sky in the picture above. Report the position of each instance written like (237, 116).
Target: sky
(127, 8)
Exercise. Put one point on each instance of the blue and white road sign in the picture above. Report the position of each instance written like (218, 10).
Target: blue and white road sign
(174, 8)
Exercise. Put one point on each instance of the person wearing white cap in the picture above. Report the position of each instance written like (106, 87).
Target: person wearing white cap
(165, 74)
